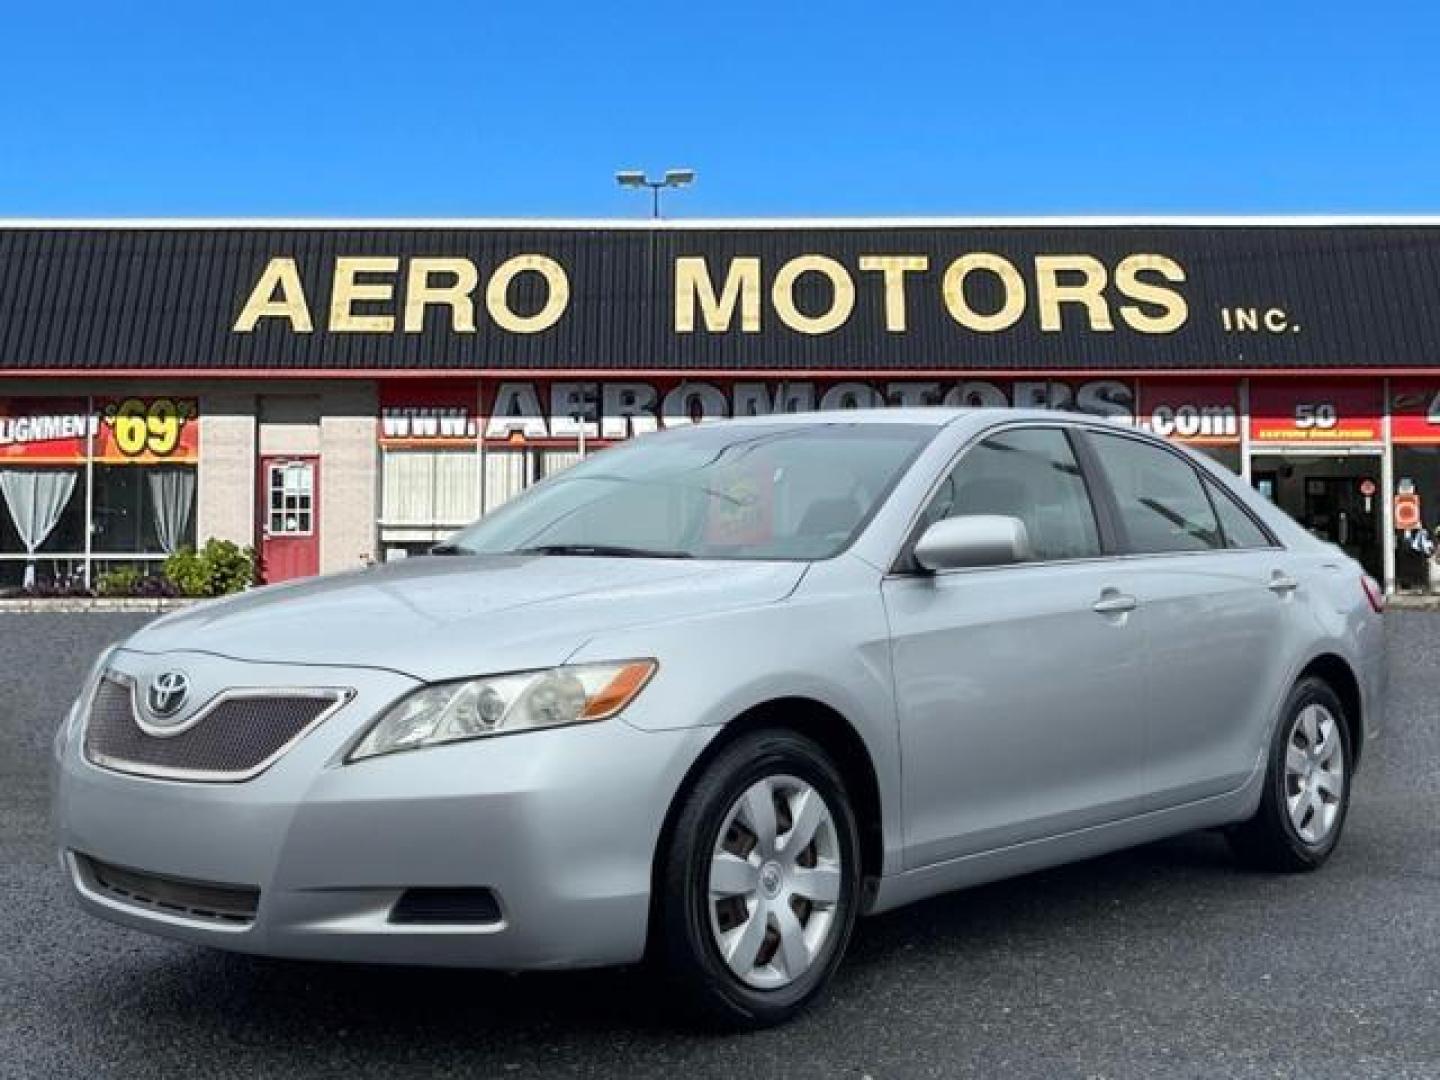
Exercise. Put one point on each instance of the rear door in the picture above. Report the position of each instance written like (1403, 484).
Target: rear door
(1214, 598)
(1018, 687)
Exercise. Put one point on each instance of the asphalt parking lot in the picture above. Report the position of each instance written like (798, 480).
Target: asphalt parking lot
(1166, 961)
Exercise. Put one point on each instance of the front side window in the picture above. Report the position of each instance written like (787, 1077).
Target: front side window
(1161, 502)
(745, 491)
(1030, 474)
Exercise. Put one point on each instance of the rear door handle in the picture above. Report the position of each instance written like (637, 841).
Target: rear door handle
(1114, 603)
(1281, 584)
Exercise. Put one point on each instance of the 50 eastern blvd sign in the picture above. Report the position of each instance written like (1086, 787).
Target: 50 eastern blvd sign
(982, 291)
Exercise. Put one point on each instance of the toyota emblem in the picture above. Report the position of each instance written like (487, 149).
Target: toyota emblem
(167, 693)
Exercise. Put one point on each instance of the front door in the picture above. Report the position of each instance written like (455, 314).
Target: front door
(1337, 508)
(1018, 687)
(289, 518)
(1336, 498)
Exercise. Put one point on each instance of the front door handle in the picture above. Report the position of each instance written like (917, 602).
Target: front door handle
(1282, 584)
(1114, 603)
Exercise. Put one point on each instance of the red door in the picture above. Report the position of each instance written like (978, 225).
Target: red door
(289, 518)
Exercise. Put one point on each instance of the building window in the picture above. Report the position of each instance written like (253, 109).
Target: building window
(290, 499)
(508, 471)
(556, 461)
(129, 463)
(43, 535)
(426, 495)
(143, 509)
(139, 514)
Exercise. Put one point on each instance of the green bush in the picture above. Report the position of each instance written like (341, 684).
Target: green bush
(135, 582)
(189, 571)
(218, 568)
(122, 581)
(232, 568)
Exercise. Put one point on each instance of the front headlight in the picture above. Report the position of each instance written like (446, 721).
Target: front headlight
(498, 705)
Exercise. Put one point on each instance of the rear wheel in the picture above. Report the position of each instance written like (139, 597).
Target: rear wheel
(760, 881)
(1307, 785)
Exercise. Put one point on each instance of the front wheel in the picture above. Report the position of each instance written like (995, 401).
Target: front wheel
(760, 881)
(1307, 785)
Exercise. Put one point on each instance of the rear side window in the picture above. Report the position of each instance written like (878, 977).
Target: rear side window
(1031, 474)
(1162, 505)
(1240, 528)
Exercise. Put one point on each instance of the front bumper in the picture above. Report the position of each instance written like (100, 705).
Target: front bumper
(562, 826)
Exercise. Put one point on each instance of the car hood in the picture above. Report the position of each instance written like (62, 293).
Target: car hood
(453, 616)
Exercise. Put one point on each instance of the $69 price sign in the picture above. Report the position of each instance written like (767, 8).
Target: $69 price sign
(148, 426)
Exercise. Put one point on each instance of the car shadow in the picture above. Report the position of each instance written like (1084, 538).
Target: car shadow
(1049, 901)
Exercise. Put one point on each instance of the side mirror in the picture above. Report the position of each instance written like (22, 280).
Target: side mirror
(973, 540)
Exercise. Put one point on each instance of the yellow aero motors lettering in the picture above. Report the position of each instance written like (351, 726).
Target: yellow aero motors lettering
(366, 296)
(1063, 291)
(982, 292)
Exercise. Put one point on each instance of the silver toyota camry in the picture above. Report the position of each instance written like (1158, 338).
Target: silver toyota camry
(711, 695)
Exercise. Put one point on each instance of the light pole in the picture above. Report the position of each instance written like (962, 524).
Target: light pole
(673, 178)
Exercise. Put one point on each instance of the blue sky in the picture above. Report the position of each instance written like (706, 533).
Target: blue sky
(327, 108)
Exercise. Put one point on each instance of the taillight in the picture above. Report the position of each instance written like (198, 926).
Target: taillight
(1373, 593)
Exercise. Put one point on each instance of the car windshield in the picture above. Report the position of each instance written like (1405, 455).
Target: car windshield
(741, 491)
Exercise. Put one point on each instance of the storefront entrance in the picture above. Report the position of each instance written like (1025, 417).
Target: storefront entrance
(289, 518)
(1335, 496)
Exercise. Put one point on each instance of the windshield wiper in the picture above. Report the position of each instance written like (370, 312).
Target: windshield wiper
(447, 549)
(602, 551)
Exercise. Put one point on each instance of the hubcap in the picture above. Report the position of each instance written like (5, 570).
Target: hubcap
(774, 882)
(1314, 773)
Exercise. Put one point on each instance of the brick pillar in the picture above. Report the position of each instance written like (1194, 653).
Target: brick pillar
(349, 477)
(226, 486)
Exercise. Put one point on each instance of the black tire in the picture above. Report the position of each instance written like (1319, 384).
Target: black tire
(1270, 840)
(706, 989)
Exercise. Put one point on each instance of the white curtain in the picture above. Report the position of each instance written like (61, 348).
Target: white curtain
(435, 488)
(555, 461)
(36, 498)
(172, 494)
(504, 476)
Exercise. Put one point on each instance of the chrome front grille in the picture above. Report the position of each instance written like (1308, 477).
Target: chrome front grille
(236, 736)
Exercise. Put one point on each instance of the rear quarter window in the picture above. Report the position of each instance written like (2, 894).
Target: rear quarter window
(1240, 529)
